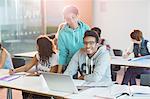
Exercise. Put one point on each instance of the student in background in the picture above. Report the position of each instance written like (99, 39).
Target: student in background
(5, 59)
(54, 39)
(70, 35)
(46, 60)
(140, 47)
(93, 61)
(103, 41)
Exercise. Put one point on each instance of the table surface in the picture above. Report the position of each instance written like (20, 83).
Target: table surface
(117, 60)
(36, 84)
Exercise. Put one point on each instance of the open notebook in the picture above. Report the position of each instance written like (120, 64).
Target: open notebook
(134, 90)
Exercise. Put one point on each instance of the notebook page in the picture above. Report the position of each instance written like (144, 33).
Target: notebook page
(117, 90)
(140, 90)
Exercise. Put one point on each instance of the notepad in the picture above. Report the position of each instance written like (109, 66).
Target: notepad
(8, 78)
(118, 90)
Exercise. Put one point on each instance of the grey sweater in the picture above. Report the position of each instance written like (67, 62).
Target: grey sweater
(96, 68)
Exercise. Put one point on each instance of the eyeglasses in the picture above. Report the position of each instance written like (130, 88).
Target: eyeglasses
(90, 43)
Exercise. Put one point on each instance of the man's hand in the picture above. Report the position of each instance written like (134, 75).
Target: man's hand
(12, 71)
(81, 78)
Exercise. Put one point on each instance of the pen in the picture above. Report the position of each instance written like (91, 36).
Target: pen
(14, 78)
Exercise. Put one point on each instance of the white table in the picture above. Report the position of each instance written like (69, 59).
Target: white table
(116, 60)
(35, 84)
(26, 54)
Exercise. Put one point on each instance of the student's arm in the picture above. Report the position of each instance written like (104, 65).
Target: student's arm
(3, 58)
(128, 51)
(26, 67)
(72, 68)
(55, 68)
(59, 69)
(63, 52)
(101, 67)
(108, 47)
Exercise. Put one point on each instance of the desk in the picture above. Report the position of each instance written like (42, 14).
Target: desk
(30, 84)
(116, 60)
(35, 84)
(26, 54)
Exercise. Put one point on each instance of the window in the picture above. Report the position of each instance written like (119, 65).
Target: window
(20, 24)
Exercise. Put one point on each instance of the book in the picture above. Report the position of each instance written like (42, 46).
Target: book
(134, 90)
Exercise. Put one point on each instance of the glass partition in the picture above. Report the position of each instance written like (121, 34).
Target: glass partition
(20, 24)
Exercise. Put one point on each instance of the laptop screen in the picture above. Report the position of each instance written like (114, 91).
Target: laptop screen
(60, 82)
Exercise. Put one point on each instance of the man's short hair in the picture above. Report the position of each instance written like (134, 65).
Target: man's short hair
(91, 33)
(71, 9)
(98, 30)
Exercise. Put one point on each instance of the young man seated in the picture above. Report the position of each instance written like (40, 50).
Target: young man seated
(92, 61)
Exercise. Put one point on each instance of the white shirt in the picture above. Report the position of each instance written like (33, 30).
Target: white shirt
(46, 67)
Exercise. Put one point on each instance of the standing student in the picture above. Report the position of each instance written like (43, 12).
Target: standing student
(46, 60)
(5, 59)
(140, 47)
(93, 61)
(70, 35)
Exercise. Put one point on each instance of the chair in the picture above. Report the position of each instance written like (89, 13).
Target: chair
(113, 75)
(145, 80)
(17, 62)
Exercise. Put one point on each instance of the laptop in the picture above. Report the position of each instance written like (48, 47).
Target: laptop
(60, 82)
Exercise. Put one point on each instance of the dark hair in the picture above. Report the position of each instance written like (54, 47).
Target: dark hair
(91, 33)
(137, 35)
(71, 9)
(51, 36)
(45, 50)
(98, 30)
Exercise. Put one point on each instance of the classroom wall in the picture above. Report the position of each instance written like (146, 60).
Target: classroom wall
(148, 33)
(118, 18)
(54, 10)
